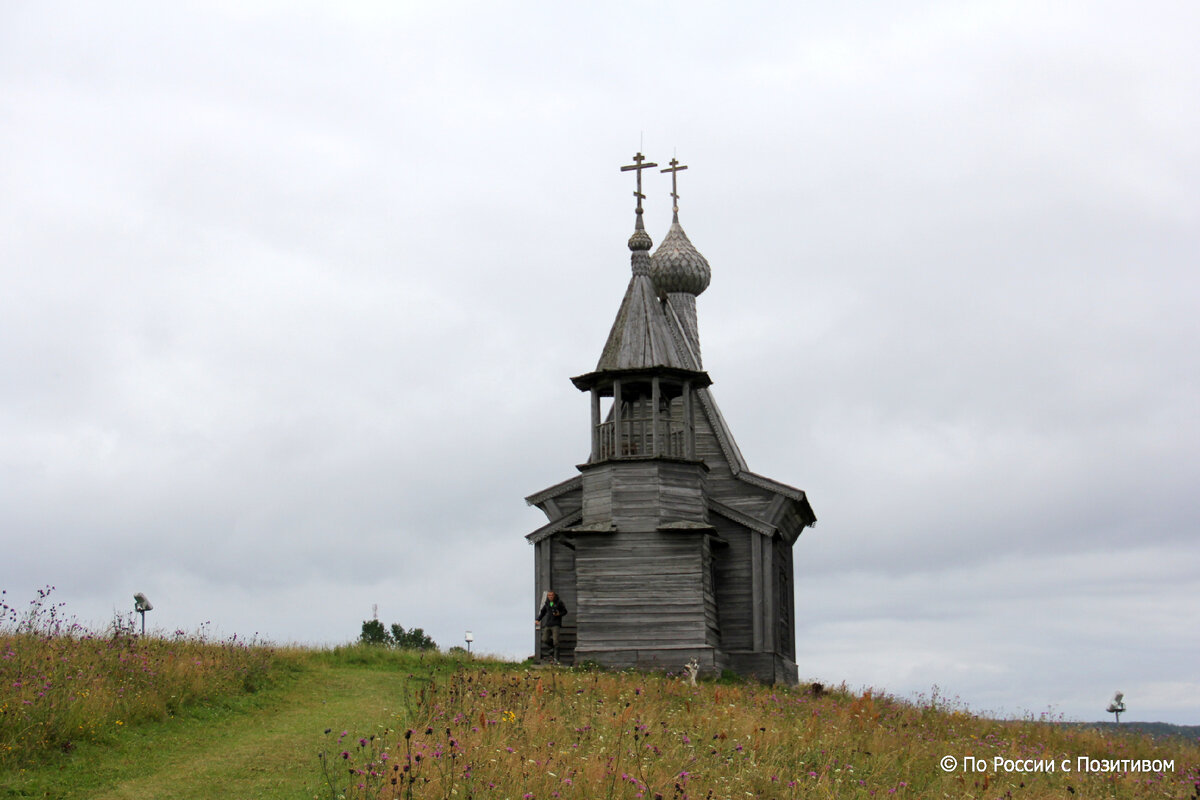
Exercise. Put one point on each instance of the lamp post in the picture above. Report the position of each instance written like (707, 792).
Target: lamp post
(470, 637)
(141, 605)
(1117, 705)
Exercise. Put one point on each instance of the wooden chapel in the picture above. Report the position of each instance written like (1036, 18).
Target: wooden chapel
(666, 547)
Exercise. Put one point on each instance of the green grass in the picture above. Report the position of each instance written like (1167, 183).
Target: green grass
(461, 728)
(258, 745)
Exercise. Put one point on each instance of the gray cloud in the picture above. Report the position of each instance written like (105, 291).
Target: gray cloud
(292, 298)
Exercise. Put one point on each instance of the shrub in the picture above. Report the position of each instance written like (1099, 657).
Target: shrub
(414, 639)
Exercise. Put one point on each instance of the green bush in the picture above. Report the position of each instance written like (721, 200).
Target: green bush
(374, 633)
(413, 639)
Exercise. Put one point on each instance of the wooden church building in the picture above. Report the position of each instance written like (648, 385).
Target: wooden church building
(666, 547)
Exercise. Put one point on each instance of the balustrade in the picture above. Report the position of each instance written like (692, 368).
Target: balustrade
(637, 438)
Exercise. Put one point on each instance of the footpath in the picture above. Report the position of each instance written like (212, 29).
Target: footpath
(269, 751)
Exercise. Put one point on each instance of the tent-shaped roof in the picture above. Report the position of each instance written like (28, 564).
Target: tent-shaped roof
(640, 337)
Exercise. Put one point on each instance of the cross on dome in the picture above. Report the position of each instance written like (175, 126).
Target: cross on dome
(639, 166)
(675, 169)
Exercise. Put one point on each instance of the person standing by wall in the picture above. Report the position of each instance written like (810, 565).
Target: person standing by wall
(549, 618)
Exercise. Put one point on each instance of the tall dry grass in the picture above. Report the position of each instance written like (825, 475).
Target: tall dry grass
(537, 735)
(61, 684)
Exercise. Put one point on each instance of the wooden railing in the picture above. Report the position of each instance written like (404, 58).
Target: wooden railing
(636, 438)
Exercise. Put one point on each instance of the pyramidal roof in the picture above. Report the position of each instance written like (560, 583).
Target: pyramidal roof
(640, 337)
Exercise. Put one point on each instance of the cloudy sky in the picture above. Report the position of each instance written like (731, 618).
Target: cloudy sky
(291, 294)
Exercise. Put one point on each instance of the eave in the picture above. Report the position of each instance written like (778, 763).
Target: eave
(554, 527)
(698, 378)
(549, 493)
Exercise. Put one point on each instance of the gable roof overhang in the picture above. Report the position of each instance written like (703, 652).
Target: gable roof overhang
(550, 492)
(741, 518)
(784, 516)
(554, 527)
(605, 377)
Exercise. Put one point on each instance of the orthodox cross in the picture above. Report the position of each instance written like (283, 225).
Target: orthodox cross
(675, 169)
(639, 166)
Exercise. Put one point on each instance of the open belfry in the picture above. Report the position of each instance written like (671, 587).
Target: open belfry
(666, 548)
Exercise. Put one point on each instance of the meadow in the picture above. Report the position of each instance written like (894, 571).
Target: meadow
(561, 733)
(62, 684)
(115, 714)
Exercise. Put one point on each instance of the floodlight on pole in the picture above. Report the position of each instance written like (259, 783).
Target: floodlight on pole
(470, 637)
(1117, 705)
(141, 606)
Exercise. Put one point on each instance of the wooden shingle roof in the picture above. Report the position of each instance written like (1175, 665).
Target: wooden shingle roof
(640, 337)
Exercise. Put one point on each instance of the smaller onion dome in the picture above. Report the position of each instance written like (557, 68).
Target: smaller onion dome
(640, 240)
(677, 265)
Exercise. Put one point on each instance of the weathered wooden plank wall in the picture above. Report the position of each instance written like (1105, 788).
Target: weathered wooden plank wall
(640, 590)
(563, 582)
(733, 570)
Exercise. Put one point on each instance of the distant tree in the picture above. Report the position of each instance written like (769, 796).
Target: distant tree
(413, 639)
(373, 632)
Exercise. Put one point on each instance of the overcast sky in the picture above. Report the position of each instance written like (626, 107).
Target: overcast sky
(292, 293)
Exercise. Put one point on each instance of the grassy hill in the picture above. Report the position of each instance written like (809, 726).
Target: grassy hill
(361, 722)
(1159, 730)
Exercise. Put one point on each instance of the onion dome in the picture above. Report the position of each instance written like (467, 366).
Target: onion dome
(677, 265)
(639, 248)
(640, 240)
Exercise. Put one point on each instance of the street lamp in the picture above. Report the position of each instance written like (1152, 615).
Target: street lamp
(470, 638)
(141, 606)
(1117, 705)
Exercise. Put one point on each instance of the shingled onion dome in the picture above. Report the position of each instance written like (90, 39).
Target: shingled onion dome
(677, 265)
(639, 248)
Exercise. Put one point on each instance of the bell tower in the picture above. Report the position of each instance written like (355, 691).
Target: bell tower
(643, 467)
